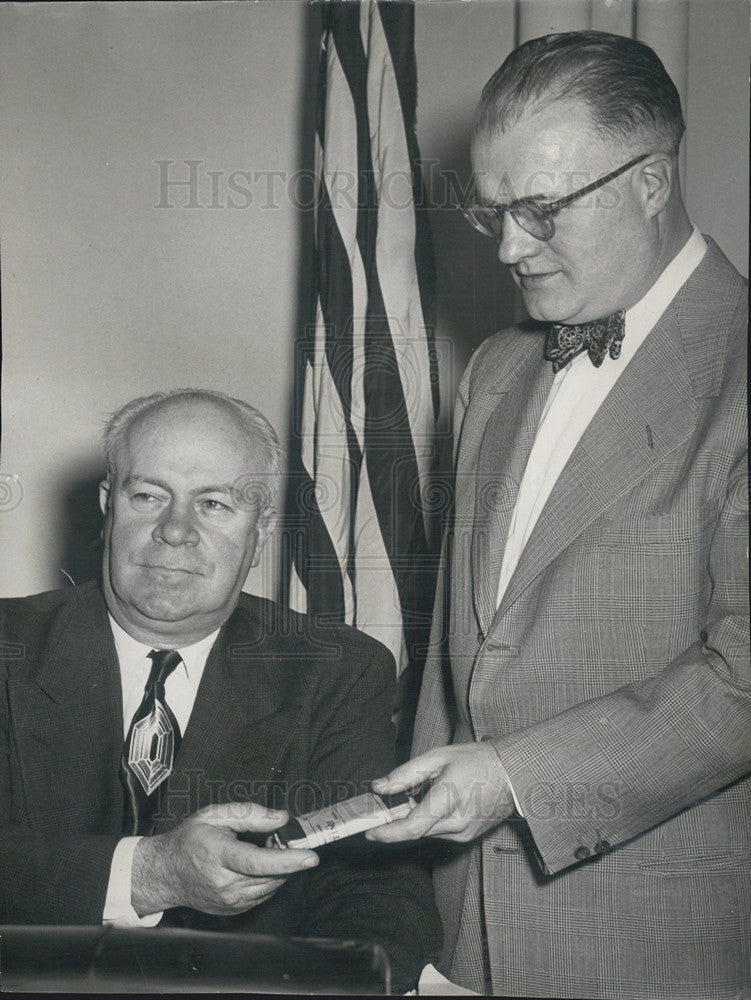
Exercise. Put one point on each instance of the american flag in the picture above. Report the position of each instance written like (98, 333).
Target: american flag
(370, 395)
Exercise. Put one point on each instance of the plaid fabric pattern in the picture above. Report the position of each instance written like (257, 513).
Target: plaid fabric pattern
(614, 677)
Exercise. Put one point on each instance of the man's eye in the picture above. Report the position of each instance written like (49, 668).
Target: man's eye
(143, 499)
(214, 506)
(542, 207)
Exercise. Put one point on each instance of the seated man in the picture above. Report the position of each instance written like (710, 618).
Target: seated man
(230, 708)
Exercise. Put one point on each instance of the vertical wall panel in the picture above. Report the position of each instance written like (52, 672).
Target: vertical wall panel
(717, 124)
(540, 17)
(613, 15)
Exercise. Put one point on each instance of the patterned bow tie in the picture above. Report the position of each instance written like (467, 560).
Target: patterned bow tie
(598, 338)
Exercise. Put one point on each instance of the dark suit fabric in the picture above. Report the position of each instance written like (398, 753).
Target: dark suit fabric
(614, 677)
(286, 714)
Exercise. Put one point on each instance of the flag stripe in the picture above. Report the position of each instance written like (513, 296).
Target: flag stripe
(336, 235)
(316, 561)
(395, 250)
(388, 438)
(398, 27)
(370, 393)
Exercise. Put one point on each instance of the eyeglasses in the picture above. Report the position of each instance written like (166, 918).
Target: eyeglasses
(535, 217)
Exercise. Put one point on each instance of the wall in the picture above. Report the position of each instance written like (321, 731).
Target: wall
(109, 293)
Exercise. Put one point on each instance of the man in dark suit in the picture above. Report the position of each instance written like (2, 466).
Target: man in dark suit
(585, 715)
(233, 712)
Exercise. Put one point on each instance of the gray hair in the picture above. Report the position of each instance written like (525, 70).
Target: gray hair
(256, 426)
(623, 83)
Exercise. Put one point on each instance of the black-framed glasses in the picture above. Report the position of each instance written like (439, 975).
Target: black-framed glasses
(535, 217)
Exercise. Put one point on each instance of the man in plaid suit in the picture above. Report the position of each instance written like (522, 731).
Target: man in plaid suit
(585, 716)
(273, 712)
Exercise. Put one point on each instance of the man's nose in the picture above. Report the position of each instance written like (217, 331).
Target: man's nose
(515, 242)
(176, 526)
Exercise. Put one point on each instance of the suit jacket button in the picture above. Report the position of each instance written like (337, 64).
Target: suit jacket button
(480, 638)
(581, 853)
(602, 846)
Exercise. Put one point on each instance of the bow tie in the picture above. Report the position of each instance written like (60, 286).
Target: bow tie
(598, 338)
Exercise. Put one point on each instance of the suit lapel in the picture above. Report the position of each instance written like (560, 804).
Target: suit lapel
(505, 448)
(80, 652)
(648, 413)
(69, 721)
(241, 724)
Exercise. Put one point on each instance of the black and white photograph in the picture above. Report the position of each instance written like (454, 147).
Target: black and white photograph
(374, 487)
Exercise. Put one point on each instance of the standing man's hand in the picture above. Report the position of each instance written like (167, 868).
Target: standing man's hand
(469, 793)
(202, 864)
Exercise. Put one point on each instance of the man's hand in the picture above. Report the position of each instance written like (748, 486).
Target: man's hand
(469, 793)
(202, 864)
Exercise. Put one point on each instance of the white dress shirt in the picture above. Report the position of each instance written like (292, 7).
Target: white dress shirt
(576, 395)
(180, 690)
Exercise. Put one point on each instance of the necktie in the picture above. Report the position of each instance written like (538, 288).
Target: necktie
(150, 747)
(598, 338)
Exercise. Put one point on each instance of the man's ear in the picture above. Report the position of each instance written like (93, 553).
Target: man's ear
(104, 496)
(657, 174)
(264, 527)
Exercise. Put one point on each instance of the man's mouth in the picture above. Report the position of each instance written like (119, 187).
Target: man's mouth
(157, 568)
(535, 279)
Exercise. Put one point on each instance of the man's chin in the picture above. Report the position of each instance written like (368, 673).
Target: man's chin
(549, 312)
(166, 625)
(165, 614)
(176, 600)
(169, 604)
(539, 309)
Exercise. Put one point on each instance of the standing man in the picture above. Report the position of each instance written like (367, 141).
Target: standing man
(154, 730)
(585, 719)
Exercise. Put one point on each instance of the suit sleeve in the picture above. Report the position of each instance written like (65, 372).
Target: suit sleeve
(378, 894)
(606, 770)
(44, 878)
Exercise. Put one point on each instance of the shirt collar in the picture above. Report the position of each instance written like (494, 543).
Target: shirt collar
(130, 650)
(642, 317)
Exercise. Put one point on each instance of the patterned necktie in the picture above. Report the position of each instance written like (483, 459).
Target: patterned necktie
(598, 338)
(150, 747)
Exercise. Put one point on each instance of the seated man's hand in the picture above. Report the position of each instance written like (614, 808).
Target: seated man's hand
(469, 793)
(202, 864)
